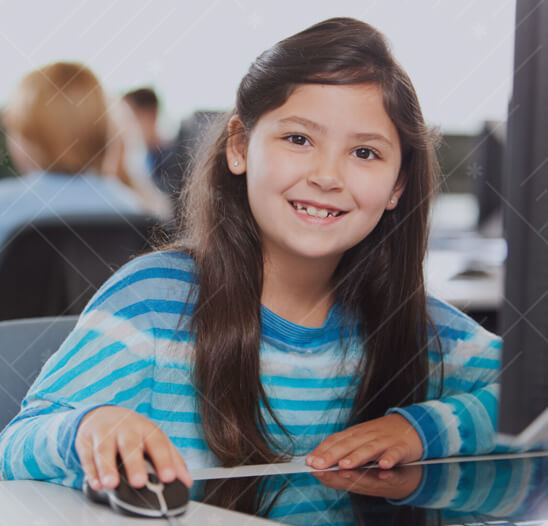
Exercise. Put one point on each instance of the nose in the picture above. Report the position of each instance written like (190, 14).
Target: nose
(326, 177)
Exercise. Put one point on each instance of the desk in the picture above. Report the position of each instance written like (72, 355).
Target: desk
(34, 503)
(480, 490)
(481, 293)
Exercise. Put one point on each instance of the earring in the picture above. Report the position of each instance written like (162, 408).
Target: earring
(392, 201)
(236, 163)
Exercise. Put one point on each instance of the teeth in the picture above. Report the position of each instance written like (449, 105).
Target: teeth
(314, 212)
(322, 213)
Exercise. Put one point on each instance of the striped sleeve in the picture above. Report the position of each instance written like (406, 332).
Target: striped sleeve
(108, 359)
(463, 420)
(500, 488)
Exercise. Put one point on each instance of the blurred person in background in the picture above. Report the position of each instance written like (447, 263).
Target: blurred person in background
(57, 134)
(60, 137)
(145, 106)
(127, 159)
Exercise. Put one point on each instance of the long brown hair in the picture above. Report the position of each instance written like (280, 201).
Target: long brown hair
(379, 282)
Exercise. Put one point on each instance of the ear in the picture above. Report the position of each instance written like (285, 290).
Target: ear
(396, 193)
(236, 146)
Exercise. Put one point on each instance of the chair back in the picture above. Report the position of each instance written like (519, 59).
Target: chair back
(25, 345)
(53, 266)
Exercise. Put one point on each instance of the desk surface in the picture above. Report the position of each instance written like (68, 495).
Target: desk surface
(479, 491)
(34, 503)
(467, 272)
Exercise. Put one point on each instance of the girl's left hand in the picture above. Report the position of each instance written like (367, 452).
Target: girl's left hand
(391, 439)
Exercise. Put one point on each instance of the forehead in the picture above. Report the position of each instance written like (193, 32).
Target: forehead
(350, 108)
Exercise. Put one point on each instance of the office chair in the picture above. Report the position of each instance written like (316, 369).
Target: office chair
(25, 346)
(53, 265)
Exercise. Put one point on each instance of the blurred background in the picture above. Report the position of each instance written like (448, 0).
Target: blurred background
(458, 54)
(168, 66)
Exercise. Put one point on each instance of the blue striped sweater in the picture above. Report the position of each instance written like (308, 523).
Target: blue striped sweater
(131, 347)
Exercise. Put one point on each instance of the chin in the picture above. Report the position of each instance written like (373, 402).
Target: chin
(314, 254)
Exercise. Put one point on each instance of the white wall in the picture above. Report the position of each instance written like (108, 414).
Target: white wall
(458, 53)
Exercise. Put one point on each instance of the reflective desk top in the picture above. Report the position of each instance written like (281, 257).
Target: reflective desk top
(481, 491)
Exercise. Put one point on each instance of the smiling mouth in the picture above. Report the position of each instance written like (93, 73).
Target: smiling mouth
(314, 211)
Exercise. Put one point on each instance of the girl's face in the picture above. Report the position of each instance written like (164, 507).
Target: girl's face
(321, 169)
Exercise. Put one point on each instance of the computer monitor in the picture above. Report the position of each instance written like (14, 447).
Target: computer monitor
(524, 389)
(488, 150)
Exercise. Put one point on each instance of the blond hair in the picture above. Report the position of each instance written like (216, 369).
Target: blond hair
(59, 112)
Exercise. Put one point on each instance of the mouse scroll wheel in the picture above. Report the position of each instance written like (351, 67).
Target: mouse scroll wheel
(153, 478)
(153, 481)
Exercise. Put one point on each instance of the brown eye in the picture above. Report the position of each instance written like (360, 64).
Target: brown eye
(299, 140)
(366, 153)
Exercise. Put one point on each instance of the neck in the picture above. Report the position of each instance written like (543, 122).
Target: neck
(299, 290)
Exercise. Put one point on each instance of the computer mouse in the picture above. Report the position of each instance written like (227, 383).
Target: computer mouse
(155, 499)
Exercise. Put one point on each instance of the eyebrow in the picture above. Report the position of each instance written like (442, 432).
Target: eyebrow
(320, 129)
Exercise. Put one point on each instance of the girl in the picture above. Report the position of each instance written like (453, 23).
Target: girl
(289, 317)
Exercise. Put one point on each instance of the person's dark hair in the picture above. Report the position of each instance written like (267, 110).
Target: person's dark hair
(142, 98)
(379, 282)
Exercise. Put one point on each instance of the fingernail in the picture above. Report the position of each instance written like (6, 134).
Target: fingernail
(345, 462)
(138, 479)
(168, 475)
(94, 483)
(109, 480)
(384, 463)
(320, 461)
(310, 459)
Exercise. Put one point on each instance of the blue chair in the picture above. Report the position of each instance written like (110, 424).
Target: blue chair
(25, 347)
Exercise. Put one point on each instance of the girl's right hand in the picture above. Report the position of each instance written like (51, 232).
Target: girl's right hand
(107, 430)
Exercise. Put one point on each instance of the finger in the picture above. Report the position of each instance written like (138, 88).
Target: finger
(328, 443)
(385, 475)
(180, 467)
(364, 453)
(349, 438)
(158, 447)
(338, 450)
(356, 481)
(331, 479)
(104, 452)
(392, 456)
(131, 451)
(85, 453)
